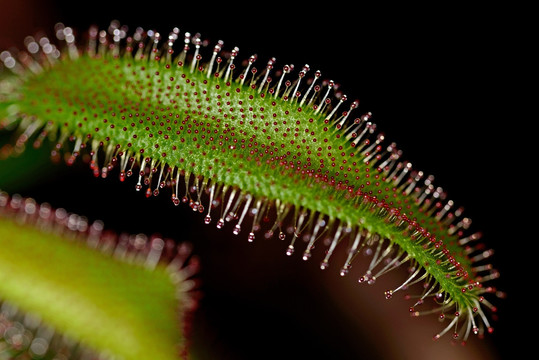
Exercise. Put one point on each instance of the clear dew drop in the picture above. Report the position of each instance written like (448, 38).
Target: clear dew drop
(220, 223)
(251, 237)
(281, 236)
(236, 230)
(230, 216)
(306, 255)
(207, 219)
(290, 250)
(104, 172)
(367, 278)
(324, 264)
(38, 347)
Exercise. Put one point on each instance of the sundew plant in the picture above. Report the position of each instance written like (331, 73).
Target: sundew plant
(266, 150)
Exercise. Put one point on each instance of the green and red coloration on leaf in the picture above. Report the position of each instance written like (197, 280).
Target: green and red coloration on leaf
(236, 142)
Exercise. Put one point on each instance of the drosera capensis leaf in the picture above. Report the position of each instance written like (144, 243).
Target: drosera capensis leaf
(121, 296)
(270, 149)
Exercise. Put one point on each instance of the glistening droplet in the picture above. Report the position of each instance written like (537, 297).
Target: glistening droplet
(290, 250)
(220, 223)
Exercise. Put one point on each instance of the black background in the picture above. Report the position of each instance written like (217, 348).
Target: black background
(439, 83)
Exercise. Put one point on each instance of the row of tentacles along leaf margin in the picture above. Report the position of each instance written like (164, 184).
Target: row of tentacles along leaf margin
(274, 150)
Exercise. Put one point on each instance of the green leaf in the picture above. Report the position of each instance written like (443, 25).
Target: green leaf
(108, 304)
